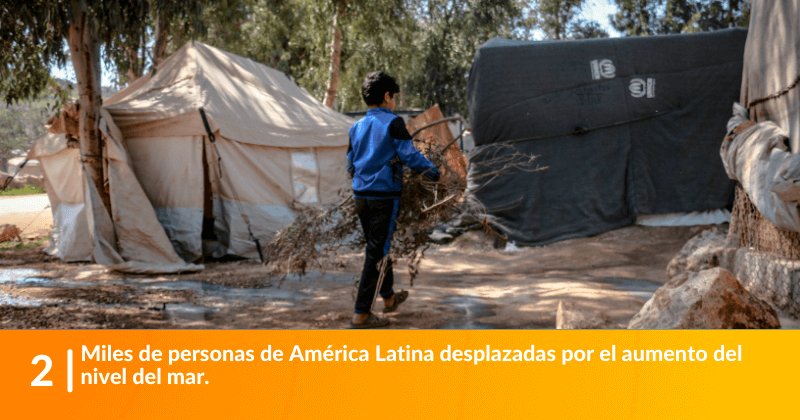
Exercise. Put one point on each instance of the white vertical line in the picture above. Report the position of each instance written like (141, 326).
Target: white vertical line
(69, 370)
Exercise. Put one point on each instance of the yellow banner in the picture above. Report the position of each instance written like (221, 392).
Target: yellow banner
(398, 374)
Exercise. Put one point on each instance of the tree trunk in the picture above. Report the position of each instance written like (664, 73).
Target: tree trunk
(135, 66)
(160, 46)
(336, 59)
(85, 50)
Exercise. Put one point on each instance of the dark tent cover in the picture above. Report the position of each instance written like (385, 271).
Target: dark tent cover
(626, 126)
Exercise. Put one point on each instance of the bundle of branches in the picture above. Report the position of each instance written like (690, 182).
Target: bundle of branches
(315, 236)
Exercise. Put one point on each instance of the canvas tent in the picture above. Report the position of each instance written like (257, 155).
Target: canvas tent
(625, 126)
(209, 134)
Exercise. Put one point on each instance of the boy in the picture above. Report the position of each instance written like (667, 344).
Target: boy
(379, 147)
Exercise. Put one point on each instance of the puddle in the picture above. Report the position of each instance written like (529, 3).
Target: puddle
(470, 308)
(27, 277)
(6, 299)
(21, 276)
(642, 289)
(214, 298)
(207, 290)
(186, 312)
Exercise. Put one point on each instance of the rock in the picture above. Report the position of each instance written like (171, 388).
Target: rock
(9, 232)
(31, 167)
(704, 251)
(21, 180)
(709, 299)
(569, 318)
(441, 238)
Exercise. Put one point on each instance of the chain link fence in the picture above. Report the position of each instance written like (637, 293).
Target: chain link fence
(767, 261)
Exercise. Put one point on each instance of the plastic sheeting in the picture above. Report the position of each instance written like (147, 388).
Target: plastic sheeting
(711, 217)
(647, 115)
(759, 157)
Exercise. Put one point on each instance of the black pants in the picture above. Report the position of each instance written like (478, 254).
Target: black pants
(377, 220)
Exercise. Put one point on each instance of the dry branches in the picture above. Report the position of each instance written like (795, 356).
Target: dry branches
(312, 241)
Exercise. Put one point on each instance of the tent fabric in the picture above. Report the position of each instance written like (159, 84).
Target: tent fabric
(170, 170)
(160, 188)
(140, 236)
(772, 64)
(60, 169)
(246, 101)
(760, 158)
(624, 126)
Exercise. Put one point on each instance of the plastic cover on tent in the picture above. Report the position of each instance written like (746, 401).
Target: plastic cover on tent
(625, 126)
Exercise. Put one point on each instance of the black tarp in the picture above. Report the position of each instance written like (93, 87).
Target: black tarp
(652, 112)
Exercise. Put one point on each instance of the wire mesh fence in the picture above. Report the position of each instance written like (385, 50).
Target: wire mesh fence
(767, 261)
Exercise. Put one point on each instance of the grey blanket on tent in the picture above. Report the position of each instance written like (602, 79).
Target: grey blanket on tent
(624, 125)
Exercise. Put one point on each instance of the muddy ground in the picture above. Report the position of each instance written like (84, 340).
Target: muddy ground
(466, 284)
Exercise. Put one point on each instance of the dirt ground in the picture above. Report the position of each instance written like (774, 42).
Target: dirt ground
(466, 284)
(30, 213)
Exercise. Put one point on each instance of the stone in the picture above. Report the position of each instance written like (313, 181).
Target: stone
(570, 318)
(9, 232)
(708, 299)
(21, 180)
(32, 167)
(440, 238)
(706, 250)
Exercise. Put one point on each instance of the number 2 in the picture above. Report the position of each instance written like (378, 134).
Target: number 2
(47, 365)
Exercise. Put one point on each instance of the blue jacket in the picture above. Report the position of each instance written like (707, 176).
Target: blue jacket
(379, 147)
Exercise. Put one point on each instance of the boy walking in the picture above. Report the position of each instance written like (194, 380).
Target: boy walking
(379, 147)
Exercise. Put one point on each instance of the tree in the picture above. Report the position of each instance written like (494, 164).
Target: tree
(37, 32)
(170, 24)
(583, 29)
(450, 33)
(554, 17)
(653, 17)
(298, 37)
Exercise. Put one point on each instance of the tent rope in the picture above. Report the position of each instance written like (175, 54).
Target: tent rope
(578, 131)
(246, 219)
(11, 178)
(774, 95)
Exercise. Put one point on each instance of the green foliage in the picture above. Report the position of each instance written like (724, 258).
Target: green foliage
(556, 16)
(294, 36)
(23, 122)
(450, 31)
(654, 17)
(26, 190)
(583, 29)
(14, 245)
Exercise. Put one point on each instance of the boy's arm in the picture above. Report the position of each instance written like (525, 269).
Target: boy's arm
(350, 168)
(409, 155)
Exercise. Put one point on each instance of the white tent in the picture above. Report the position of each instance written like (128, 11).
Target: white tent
(209, 134)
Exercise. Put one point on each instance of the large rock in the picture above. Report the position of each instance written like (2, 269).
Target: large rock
(570, 318)
(706, 250)
(709, 299)
(8, 232)
(21, 180)
(32, 167)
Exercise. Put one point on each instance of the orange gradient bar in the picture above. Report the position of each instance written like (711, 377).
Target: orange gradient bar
(756, 381)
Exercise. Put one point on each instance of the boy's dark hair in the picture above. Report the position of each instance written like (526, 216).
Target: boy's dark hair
(375, 87)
